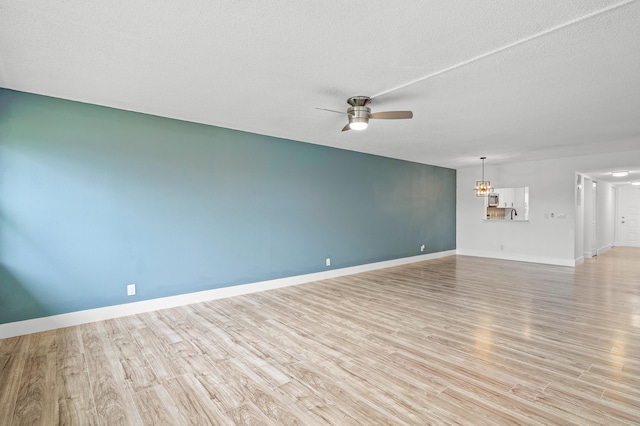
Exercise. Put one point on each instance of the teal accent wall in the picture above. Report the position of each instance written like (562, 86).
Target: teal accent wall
(94, 198)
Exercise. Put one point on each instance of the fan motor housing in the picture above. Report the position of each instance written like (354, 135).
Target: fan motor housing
(359, 112)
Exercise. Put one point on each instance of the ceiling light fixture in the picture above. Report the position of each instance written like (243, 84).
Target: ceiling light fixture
(635, 183)
(358, 123)
(621, 173)
(483, 187)
(359, 113)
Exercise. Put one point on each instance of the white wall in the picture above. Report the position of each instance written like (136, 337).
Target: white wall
(590, 215)
(552, 189)
(579, 218)
(605, 201)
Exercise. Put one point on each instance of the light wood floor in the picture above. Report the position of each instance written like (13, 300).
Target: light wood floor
(457, 340)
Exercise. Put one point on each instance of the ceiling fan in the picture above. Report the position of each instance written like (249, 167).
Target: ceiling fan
(359, 113)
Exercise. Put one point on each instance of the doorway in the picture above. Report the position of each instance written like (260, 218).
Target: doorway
(629, 217)
(590, 218)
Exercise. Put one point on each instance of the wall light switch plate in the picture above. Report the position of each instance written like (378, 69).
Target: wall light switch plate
(131, 290)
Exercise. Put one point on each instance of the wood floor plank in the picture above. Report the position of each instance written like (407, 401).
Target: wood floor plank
(46, 343)
(222, 388)
(13, 345)
(249, 415)
(336, 391)
(37, 403)
(193, 402)
(162, 360)
(113, 402)
(397, 390)
(254, 389)
(157, 408)
(445, 341)
(138, 373)
(73, 391)
(11, 374)
(318, 408)
(69, 343)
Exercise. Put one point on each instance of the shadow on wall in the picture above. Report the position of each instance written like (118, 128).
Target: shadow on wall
(16, 303)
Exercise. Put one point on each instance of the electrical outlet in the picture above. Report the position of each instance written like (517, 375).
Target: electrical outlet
(422, 248)
(328, 261)
(131, 290)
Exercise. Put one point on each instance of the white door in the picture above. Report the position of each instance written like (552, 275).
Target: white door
(629, 224)
(594, 220)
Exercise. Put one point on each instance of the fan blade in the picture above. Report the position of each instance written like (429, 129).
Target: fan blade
(392, 114)
(347, 127)
(331, 110)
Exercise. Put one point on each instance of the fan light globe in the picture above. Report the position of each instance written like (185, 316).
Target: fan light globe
(358, 125)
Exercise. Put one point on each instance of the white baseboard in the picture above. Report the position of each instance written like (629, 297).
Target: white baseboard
(603, 249)
(36, 325)
(518, 257)
(635, 245)
(579, 261)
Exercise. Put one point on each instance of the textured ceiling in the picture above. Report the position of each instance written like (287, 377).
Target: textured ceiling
(512, 80)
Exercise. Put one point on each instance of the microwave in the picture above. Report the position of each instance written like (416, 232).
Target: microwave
(494, 200)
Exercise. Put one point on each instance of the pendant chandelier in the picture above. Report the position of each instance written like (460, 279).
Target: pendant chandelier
(483, 187)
